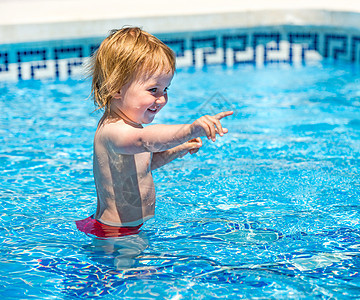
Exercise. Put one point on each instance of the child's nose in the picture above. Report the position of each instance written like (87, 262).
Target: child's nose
(161, 99)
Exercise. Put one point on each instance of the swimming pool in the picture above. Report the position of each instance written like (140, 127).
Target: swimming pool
(271, 210)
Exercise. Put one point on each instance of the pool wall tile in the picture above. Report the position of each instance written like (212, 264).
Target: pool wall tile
(258, 46)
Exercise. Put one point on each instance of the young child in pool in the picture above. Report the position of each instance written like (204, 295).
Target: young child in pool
(132, 71)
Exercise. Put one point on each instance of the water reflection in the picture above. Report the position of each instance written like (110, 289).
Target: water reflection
(99, 268)
(124, 249)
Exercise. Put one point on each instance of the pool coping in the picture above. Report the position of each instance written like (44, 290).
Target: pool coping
(51, 22)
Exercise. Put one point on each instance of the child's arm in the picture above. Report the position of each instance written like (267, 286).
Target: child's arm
(158, 138)
(160, 159)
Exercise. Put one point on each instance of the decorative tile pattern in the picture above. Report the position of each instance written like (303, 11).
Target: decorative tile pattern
(355, 57)
(4, 61)
(255, 46)
(36, 57)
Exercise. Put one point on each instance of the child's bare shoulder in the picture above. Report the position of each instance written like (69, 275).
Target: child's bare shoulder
(117, 134)
(111, 128)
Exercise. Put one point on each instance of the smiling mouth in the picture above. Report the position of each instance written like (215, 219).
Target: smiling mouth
(153, 110)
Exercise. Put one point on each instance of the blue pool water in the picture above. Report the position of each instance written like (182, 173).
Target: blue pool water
(271, 210)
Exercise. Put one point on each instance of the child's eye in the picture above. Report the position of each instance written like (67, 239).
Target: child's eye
(153, 90)
(166, 89)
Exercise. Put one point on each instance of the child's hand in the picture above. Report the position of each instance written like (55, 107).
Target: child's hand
(210, 125)
(191, 147)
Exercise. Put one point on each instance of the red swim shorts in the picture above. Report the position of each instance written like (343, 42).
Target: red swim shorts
(90, 226)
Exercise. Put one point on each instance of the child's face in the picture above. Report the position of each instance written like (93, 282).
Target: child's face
(141, 100)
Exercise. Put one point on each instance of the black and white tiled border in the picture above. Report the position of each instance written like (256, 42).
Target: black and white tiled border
(253, 46)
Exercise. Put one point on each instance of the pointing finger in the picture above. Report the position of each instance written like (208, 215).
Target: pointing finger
(223, 114)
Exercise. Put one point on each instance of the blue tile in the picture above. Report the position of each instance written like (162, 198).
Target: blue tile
(308, 41)
(209, 44)
(263, 39)
(4, 61)
(68, 52)
(31, 55)
(236, 42)
(355, 41)
(177, 45)
(336, 45)
(331, 49)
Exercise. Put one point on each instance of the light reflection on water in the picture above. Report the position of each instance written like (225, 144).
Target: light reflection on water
(270, 210)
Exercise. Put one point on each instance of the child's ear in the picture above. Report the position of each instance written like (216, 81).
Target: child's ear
(117, 95)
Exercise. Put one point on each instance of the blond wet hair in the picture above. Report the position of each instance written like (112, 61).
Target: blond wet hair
(124, 55)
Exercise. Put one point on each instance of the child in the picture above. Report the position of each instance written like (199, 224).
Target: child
(132, 71)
